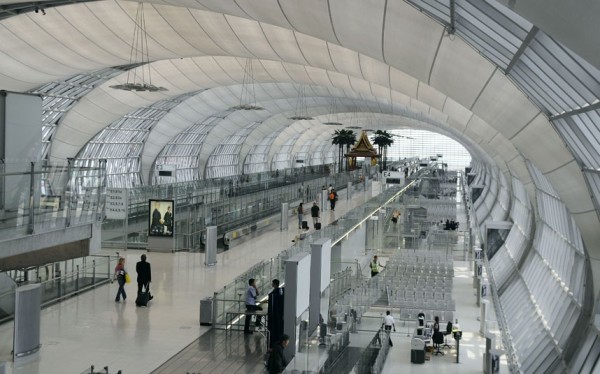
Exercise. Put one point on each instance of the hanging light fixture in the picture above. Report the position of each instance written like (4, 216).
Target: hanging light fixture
(248, 94)
(139, 79)
(301, 113)
(333, 115)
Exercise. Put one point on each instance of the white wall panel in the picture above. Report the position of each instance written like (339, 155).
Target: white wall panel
(500, 94)
(430, 96)
(459, 71)
(549, 152)
(349, 16)
(570, 185)
(410, 40)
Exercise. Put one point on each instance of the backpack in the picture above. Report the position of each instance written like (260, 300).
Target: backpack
(331, 196)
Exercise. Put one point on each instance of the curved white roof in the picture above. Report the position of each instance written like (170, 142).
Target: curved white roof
(501, 87)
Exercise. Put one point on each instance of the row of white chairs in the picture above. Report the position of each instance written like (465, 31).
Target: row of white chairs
(423, 304)
(420, 294)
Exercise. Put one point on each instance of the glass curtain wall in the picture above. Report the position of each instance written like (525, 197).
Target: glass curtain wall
(282, 159)
(257, 160)
(59, 97)
(225, 159)
(121, 143)
(183, 151)
(423, 144)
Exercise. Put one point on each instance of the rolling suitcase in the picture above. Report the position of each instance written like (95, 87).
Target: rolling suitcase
(318, 226)
(305, 225)
(143, 298)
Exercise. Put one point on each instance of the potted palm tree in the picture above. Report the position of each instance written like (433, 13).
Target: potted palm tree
(383, 140)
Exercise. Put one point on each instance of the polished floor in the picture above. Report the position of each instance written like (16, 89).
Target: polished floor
(91, 329)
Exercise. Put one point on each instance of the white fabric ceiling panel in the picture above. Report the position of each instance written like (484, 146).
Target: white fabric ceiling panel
(431, 96)
(399, 98)
(345, 60)
(459, 71)
(361, 86)
(188, 29)
(374, 71)
(410, 39)
(339, 80)
(350, 16)
(27, 77)
(419, 106)
(218, 29)
(315, 51)
(160, 31)
(309, 17)
(193, 4)
(31, 55)
(223, 6)
(503, 147)
(571, 187)
(297, 73)
(457, 112)
(437, 115)
(318, 76)
(478, 130)
(35, 33)
(382, 93)
(498, 95)
(500, 163)
(549, 151)
(283, 42)
(403, 83)
(231, 67)
(115, 22)
(66, 150)
(518, 168)
(252, 36)
(276, 70)
(194, 71)
(211, 67)
(268, 11)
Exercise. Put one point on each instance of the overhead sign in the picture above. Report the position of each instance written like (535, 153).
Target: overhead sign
(392, 177)
(116, 203)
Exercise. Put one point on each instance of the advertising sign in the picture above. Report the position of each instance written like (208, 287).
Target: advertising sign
(161, 217)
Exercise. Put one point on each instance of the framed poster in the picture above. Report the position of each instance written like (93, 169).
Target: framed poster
(161, 217)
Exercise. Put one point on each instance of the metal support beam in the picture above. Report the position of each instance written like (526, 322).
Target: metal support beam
(521, 49)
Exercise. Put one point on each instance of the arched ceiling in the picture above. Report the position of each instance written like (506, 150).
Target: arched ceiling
(372, 51)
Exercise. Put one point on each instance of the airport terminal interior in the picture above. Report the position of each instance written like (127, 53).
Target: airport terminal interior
(437, 160)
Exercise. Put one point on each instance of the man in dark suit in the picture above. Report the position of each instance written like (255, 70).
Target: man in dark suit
(275, 312)
(144, 274)
(277, 361)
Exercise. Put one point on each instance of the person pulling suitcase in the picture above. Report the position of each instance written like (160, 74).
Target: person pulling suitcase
(144, 277)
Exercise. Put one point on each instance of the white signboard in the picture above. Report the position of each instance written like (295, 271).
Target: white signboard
(395, 177)
(116, 203)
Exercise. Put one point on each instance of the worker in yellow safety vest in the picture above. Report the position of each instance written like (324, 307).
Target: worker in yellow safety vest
(374, 266)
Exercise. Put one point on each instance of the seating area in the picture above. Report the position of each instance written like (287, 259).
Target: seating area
(420, 281)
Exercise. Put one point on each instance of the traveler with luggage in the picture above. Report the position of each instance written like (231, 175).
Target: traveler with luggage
(314, 212)
(144, 277)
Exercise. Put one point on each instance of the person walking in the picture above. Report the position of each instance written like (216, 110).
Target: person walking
(333, 196)
(119, 275)
(144, 274)
(314, 213)
(300, 215)
(388, 324)
(374, 266)
(277, 361)
(251, 296)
